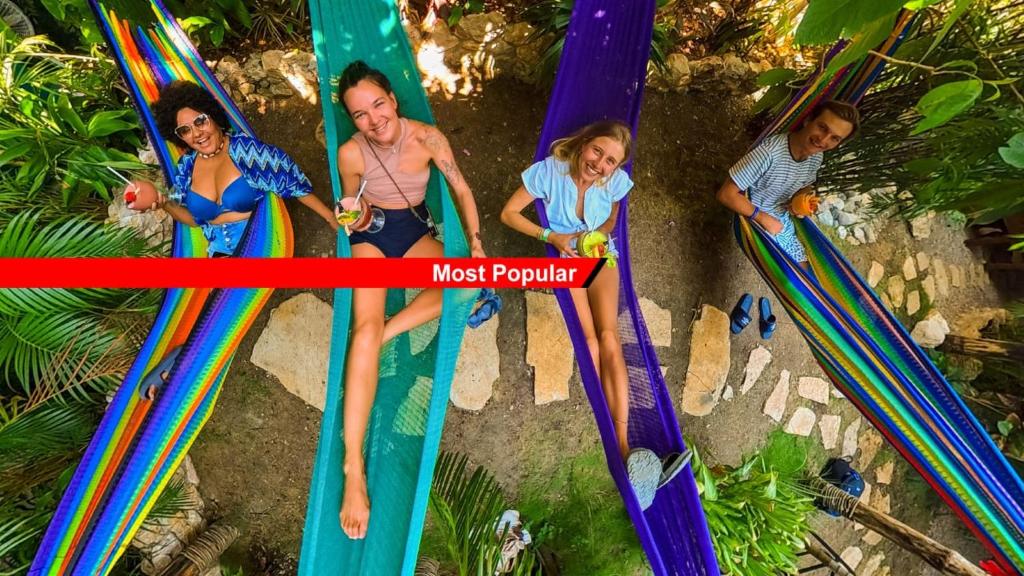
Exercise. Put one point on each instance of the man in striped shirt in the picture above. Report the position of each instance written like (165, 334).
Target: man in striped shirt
(763, 183)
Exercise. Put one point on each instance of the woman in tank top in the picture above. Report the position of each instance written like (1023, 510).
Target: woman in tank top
(389, 160)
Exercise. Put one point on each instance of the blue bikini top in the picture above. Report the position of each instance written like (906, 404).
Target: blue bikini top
(237, 197)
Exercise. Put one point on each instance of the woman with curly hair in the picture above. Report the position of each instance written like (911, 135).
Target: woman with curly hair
(222, 176)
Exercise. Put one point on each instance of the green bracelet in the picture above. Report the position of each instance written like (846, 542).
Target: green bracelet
(543, 236)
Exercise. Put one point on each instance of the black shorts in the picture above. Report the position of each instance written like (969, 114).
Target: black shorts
(401, 230)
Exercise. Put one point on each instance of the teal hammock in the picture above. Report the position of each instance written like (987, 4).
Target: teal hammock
(416, 369)
(870, 357)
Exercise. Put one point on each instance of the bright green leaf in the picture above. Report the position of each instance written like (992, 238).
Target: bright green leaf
(960, 64)
(108, 122)
(868, 38)
(1013, 152)
(959, 7)
(919, 4)
(1005, 427)
(217, 35)
(775, 76)
(825, 21)
(943, 103)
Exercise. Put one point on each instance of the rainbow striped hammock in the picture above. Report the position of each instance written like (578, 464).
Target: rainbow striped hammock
(874, 362)
(140, 443)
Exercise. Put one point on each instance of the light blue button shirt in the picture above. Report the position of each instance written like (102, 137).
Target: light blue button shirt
(550, 181)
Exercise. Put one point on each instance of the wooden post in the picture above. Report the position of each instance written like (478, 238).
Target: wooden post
(942, 558)
(982, 347)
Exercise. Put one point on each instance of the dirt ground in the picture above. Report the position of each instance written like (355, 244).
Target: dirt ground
(255, 455)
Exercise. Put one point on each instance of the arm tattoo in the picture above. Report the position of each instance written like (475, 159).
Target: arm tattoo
(432, 140)
(451, 171)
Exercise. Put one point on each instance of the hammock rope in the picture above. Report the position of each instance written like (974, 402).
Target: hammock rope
(871, 358)
(140, 443)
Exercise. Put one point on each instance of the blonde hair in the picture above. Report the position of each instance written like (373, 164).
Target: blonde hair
(570, 148)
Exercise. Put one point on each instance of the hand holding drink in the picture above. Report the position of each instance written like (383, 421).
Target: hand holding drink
(353, 213)
(141, 195)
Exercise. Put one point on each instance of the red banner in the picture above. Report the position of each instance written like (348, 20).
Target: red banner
(297, 272)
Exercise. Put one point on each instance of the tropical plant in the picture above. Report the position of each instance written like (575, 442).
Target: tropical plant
(550, 18)
(278, 21)
(757, 513)
(61, 128)
(944, 126)
(61, 353)
(467, 507)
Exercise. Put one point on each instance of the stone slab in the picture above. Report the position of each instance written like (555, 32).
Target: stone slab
(802, 422)
(659, 322)
(756, 362)
(295, 345)
(548, 348)
(813, 388)
(775, 405)
(709, 362)
(829, 426)
(476, 370)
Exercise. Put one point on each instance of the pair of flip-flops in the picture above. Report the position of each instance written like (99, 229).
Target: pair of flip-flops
(158, 376)
(490, 304)
(740, 316)
(648, 473)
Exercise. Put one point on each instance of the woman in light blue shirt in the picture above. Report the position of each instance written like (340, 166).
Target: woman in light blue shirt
(581, 184)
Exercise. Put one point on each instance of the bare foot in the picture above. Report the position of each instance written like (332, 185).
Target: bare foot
(355, 504)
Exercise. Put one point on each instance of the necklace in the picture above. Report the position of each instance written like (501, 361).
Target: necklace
(215, 152)
(394, 148)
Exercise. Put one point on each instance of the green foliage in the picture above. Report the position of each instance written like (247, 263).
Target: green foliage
(590, 528)
(211, 21)
(466, 508)
(462, 7)
(941, 121)
(551, 18)
(278, 21)
(60, 127)
(758, 512)
(826, 22)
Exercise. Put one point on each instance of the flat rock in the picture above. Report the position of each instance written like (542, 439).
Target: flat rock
(931, 331)
(812, 388)
(886, 301)
(909, 271)
(294, 347)
(941, 277)
(659, 322)
(875, 273)
(775, 406)
(923, 260)
(872, 565)
(728, 393)
(802, 422)
(869, 443)
(881, 501)
(548, 348)
(928, 285)
(756, 362)
(896, 288)
(883, 474)
(476, 370)
(829, 426)
(921, 227)
(852, 555)
(956, 276)
(913, 302)
(850, 438)
(871, 538)
(709, 362)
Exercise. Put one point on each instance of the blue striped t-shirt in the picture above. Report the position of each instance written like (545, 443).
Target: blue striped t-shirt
(771, 176)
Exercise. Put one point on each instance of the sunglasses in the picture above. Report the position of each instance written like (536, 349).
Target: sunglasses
(186, 129)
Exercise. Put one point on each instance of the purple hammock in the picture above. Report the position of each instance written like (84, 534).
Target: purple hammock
(601, 75)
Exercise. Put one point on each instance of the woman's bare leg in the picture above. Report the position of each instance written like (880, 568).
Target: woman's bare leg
(427, 304)
(360, 391)
(604, 304)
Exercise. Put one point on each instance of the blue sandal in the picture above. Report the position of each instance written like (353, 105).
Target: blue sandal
(156, 378)
(767, 321)
(672, 465)
(490, 304)
(740, 315)
(644, 469)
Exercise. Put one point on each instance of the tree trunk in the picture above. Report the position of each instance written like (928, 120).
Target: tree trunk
(983, 347)
(944, 559)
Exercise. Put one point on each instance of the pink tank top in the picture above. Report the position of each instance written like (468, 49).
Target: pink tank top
(379, 187)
